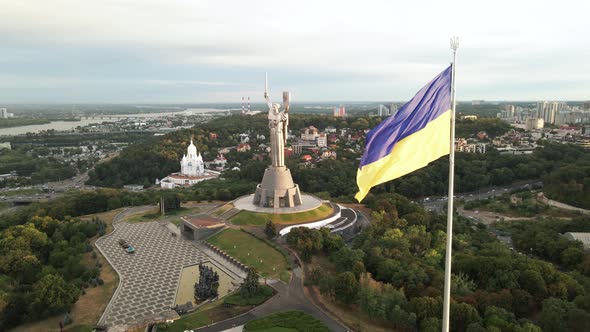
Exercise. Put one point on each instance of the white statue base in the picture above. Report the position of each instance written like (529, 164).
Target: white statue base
(277, 189)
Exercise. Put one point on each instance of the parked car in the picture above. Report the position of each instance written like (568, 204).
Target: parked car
(130, 249)
(123, 244)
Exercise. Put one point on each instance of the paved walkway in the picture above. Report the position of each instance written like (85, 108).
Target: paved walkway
(149, 277)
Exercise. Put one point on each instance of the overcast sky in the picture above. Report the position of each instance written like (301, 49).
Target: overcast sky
(217, 51)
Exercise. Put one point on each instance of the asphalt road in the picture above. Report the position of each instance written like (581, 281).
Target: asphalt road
(54, 189)
(437, 203)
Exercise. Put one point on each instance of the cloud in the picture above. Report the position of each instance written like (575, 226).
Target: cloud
(323, 49)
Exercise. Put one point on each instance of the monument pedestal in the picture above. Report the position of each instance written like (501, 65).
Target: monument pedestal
(277, 189)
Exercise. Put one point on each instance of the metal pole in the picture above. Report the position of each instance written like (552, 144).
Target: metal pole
(449, 247)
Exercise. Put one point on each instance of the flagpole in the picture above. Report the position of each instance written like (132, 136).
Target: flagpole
(449, 247)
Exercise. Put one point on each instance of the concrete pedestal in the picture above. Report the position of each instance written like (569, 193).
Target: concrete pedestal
(277, 189)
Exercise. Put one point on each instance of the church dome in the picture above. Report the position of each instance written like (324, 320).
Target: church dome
(191, 150)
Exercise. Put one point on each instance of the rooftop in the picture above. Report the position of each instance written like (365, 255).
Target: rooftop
(203, 221)
(582, 237)
(187, 177)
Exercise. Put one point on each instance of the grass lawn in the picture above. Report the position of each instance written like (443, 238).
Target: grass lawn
(250, 250)
(286, 321)
(207, 314)
(259, 219)
(264, 293)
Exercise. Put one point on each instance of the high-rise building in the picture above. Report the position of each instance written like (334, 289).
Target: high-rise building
(510, 110)
(534, 123)
(548, 110)
(339, 111)
(3, 113)
(384, 110)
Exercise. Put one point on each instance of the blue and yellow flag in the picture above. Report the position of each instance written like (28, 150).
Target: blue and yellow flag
(420, 132)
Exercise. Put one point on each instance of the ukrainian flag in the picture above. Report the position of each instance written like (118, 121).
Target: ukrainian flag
(420, 132)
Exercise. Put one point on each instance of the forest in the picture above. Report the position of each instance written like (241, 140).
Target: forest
(26, 163)
(41, 269)
(394, 274)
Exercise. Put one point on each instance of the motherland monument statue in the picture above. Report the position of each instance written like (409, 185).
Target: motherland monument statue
(277, 189)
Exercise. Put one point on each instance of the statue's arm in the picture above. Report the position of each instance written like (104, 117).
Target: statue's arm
(285, 122)
(268, 102)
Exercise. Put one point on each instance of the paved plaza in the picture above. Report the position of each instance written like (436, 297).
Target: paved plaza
(308, 203)
(150, 276)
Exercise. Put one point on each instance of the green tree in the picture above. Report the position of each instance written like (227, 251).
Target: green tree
(533, 282)
(250, 285)
(52, 295)
(560, 315)
(270, 230)
(463, 315)
(371, 302)
(425, 307)
(572, 256)
(346, 287)
(431, 324)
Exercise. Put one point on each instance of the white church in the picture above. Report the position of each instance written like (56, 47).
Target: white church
(192, 171)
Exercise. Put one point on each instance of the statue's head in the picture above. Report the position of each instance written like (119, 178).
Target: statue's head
(276, 107)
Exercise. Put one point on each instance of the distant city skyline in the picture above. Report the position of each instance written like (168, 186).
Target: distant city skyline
(134, 51)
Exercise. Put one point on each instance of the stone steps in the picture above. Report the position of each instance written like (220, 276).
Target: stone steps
(338, 222)
(231, 265)
(229, 213)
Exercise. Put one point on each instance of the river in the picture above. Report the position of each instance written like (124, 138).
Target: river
(70, 125)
